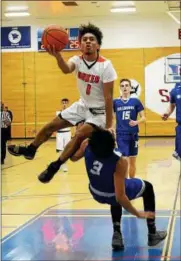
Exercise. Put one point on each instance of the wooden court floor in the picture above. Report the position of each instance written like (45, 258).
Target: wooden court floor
(60, 220)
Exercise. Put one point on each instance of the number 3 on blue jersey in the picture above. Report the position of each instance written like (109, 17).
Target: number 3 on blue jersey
(126, 115)
(96, 169)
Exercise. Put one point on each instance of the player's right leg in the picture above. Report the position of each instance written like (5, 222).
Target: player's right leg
(116, 214)
(42, 136)
(133, 152)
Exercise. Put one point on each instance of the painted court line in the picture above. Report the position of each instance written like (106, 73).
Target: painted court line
(14, 194)
(169, 240)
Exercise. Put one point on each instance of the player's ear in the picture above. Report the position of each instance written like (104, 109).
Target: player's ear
(98, 47)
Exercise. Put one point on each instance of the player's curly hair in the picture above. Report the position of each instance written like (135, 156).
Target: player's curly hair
(90, 28)
(102, 143)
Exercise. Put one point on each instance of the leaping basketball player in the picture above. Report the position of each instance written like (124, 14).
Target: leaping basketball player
(95, 76)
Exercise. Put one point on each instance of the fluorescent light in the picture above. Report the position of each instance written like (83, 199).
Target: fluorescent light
(123, 10)
(174, 18)
(16, 14)
(123, 3)
(17, 8)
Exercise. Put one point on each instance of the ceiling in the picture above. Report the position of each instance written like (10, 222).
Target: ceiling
(53, 9)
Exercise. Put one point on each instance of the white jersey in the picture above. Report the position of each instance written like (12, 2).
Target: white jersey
(64, 129)
(90, 80)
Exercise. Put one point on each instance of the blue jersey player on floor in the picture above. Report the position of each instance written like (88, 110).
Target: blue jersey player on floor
(106, 169)
(126, 111)
(175, 102)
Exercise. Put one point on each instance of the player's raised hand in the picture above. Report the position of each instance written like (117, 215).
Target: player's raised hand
(52, 51)
(165, 116)
(133, 123)
(146, 214)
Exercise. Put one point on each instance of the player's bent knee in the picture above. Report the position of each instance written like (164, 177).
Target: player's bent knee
(148, 185)
(80, 135)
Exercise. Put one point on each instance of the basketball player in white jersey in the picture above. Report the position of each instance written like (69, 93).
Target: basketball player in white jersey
(95, 78)
(63, 136)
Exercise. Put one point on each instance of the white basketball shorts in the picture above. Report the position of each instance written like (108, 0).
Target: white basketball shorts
(78, 112)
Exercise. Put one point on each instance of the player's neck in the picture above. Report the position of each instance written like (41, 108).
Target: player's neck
(125, 96)
(90, 57)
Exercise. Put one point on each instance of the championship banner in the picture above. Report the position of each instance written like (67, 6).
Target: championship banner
(73, 39)
(15, 37)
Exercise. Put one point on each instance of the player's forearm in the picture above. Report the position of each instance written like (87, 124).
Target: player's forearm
(142, 119)
(126, 204)
(170, 109)
(109, 112)
(62, 64)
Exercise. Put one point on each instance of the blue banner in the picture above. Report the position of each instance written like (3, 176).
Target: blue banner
(73, 39)
(15, 37)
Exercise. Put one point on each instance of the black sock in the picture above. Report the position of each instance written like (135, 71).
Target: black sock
(57, 164)
(32, 148)
(116, 213)
(151, 226)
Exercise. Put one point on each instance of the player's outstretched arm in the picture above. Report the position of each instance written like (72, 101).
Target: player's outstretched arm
(80, 152)
(66, 67)
(119, 183)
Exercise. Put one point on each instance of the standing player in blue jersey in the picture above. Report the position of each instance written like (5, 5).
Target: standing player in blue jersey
(106, 169)
(126, 110)
(175, 102)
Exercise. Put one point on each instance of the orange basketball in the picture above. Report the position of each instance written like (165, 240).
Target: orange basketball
(55, 35)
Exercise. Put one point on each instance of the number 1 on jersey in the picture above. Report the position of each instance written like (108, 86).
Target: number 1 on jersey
(88, 89)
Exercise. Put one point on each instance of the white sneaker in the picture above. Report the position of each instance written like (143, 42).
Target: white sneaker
(176, 156)
(65, 169)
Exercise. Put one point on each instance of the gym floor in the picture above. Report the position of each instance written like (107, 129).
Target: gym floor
(61, 221)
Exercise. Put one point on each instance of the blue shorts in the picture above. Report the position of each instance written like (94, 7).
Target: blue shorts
(178, 140)
(128, 144)
(134, 188)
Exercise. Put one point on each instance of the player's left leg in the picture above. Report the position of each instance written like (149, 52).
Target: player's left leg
(136, 188)
(73, 145)
(154, 236)
(91, 120)
(117, 239)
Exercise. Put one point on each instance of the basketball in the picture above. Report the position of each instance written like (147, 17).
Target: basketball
(55, 35)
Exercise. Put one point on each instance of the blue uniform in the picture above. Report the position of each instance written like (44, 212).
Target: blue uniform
(127, 136)
(101, 178)
(175, 97)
